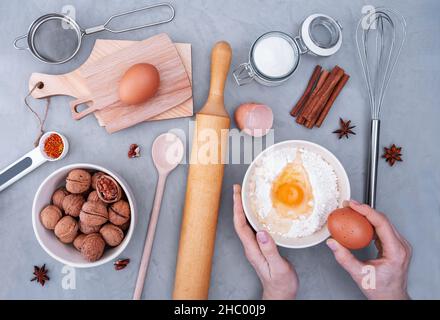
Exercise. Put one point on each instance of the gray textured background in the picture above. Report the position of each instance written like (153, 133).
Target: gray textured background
(408, 192)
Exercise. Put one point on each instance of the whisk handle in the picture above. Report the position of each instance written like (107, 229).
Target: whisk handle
(372, 164)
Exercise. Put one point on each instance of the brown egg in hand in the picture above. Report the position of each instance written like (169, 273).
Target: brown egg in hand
(139, 83)
(350, 228)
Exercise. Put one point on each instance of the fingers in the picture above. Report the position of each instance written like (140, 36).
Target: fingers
(345, 258)
(385, 231)
(277, 264)
(245, 233)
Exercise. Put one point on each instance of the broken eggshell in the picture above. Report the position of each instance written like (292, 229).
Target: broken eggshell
(254, 119)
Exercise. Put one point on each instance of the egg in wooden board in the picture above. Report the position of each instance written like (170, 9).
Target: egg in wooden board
(350, 228)
(139, 83)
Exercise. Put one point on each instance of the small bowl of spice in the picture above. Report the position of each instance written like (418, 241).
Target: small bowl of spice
(53, 146)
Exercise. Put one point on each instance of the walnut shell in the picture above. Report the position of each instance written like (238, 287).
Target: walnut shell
(72, 204)
(58, 197)
(78, 181)
(112, 234)
(119, 212)
(95, 177)
(50, 216)
(87, 229)
(92, 247)
(93, 213)
(66, 229)
(108, 189)
(77, 243)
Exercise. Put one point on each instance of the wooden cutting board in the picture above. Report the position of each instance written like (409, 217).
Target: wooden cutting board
(102, 79)
(73, 83)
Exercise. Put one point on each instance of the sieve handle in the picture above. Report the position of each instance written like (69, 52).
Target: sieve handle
(104, 26)
(16, 40)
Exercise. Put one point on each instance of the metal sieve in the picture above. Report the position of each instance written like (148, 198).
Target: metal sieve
(56, 38)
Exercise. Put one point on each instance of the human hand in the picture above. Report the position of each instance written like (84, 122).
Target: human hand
(390, 268)
(278, 277)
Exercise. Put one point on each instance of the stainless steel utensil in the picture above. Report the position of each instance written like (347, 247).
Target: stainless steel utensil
(56, 38)
(380, 36)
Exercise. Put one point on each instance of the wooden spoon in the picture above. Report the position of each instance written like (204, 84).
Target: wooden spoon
(167, 153)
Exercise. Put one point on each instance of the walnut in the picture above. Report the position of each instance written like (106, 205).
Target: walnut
(50, 216)
(108, 189)
(66, 229)
(58, 197)
(77, 243)
(78, 181)
(93, 213)
(72, 204)
(112, 234)
(87, 229)
(92, 247)
(95, 177)
(119, 212)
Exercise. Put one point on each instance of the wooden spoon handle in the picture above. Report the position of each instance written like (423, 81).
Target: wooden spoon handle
(154, 217)
(220, 61)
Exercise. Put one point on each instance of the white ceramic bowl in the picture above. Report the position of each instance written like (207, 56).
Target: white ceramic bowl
(66, 253)
(343, 185)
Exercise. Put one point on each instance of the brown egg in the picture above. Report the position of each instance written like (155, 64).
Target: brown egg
(139, 83)
(254, 119)
(350, 228)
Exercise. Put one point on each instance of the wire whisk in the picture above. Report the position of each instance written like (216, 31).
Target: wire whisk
(380, 36)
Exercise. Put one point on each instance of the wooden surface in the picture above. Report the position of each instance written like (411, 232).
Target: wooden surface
(204, 184)
(73, 83)
(102, 79)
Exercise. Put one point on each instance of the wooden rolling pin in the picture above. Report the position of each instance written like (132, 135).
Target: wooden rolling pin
(204, 185)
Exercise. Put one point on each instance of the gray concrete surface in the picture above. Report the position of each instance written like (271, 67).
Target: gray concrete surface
(408, 192)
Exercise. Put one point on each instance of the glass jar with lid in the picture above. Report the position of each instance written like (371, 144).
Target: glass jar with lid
(275, 55)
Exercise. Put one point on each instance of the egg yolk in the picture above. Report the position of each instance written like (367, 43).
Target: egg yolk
(292, 194)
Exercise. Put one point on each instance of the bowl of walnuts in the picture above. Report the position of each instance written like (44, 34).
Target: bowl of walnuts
(83, 215)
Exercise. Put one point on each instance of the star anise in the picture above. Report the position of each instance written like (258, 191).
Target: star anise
(345, 128)
(392, 154)
(121, 264)
(40, 274)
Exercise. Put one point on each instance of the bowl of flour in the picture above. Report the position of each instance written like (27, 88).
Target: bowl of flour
(290, 189)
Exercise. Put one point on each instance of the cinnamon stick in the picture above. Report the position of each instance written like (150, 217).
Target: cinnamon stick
(310, 85)
(318, 101)
(322, 78)
(301, 118)
(332, 99)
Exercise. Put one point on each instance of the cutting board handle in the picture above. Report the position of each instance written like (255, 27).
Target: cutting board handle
(220, 61)
(52, 85)
(77, 115)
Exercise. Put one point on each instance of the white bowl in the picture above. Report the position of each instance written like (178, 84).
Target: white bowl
(343, 185)
(66, 253)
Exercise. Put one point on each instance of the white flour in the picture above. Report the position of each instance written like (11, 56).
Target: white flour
(322, 179)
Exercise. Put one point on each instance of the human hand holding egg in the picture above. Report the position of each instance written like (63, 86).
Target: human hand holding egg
(391, 265)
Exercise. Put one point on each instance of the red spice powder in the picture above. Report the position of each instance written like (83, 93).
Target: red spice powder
(53, 146)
